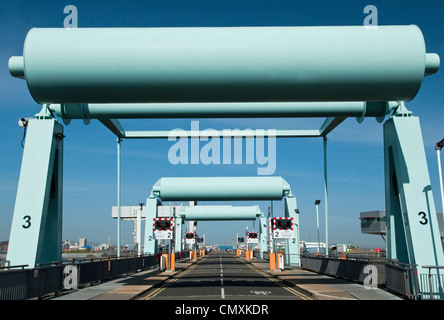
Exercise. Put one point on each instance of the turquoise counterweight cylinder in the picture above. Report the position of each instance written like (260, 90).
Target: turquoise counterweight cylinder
(221, 188)
(210, 213)
(224, 64)
(227, 109)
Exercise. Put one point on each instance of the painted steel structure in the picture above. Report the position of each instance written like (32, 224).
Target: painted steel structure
(222, 213)
(223, 189)
(189, 72)
(236, 64)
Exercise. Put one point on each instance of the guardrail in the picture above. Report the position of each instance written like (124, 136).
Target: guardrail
(21, 283)
(434, 282)
(395, 276)
(350, 269)
(402, 278)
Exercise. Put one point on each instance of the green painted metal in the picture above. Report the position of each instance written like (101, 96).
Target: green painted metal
(177, 232)
(16, 67)
(221, 188)
(221, 213)
(413, 235)
(221, 134)
(226, 64)
(217, 213)
(225, 189)
(226, 72)
(357, 109)
(36, 230)
(292, 245)
(150, 243)
(325, 194)
(118, 197)
(263, 236)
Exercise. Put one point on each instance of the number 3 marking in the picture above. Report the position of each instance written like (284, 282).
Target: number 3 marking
(424, 220)
(27, 222)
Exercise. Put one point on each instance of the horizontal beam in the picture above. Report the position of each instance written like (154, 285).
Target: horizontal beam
(213, 213)
(329, 124)
(114, 126)
(224, 64)
(224, 110)
(221, 188)
(267, 133)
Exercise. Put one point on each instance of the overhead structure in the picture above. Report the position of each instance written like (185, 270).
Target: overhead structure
(226, 213)
(215, 213)
(225, 64)
(224, 189)
(221, 188)
(243, 72)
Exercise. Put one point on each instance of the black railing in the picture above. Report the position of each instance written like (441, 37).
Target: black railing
(393, 275)
(52, 278)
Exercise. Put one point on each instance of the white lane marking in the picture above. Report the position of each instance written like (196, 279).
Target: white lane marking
(222, 290)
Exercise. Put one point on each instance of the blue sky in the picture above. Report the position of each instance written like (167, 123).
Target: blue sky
(355, 151)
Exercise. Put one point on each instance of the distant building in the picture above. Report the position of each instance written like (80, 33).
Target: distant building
(82, 242)
(103, 246)
(4, 246)
(373, 222)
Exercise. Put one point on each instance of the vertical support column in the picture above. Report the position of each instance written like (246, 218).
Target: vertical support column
(293, 258)
(438, 155)
(150, 244)
(36, 230)
(270, 227)
(139, 230)
(263, 232)
(118, 197)
(178, 232)
(413, 234)
(326, 196)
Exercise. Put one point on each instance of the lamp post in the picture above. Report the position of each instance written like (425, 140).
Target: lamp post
(438, 148)
(317, 202)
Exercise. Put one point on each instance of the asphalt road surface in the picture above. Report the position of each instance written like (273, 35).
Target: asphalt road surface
(222, 275)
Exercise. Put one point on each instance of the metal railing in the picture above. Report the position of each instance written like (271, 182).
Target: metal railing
(402, 278)
(350, 269)
(395, 276)
(21, 283)
(431, 284)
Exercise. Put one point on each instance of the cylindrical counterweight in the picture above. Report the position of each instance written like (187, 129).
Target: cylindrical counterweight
(221, 188)
(236, 64)
(223, 110)
(209, 213)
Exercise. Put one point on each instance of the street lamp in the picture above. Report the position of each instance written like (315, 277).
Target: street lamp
(438, 148)
(317, 202)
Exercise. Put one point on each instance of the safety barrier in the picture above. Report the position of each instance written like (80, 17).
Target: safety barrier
(395, 276)
(431, 284)
(344, 268)
(30, 283)
(402, 278)
(21, 283)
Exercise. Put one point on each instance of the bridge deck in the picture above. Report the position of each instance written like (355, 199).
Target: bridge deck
(224, 276)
